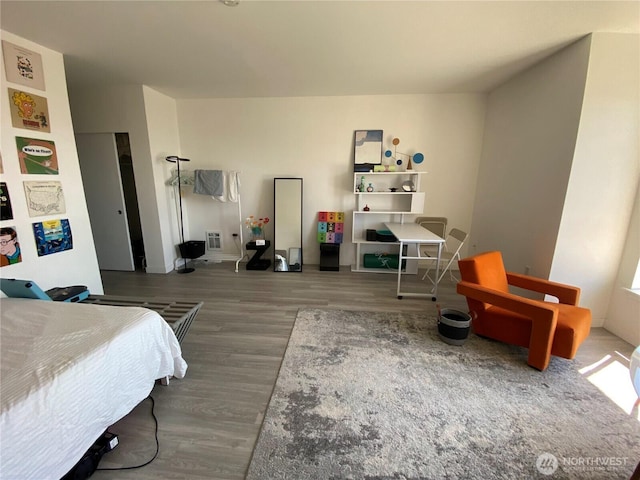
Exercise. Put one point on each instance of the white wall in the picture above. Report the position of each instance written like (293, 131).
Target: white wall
(605, 178)
(623, 318)
(312, 138)
(78, 266)
(149, 119)
(529, 140)
(559, 169)
(162, 123)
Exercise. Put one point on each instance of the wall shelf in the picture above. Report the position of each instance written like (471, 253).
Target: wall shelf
(384, 206)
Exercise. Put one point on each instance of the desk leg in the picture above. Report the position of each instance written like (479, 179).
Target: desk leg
(399, 270)
(437, 277)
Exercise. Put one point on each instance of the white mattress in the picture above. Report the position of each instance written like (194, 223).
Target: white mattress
(69, 371)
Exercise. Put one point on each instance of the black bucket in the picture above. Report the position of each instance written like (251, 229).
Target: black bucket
(453, 326)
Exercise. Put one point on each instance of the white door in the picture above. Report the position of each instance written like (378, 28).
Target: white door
(100, 171)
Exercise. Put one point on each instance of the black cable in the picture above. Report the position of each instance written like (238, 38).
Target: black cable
(153, 403)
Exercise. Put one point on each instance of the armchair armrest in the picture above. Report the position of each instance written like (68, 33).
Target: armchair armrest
(566, 294)
(544, 318)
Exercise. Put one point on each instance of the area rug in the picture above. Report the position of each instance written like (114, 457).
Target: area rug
(368, 395)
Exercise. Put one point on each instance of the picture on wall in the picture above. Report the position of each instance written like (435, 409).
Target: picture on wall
(367, 150)
(29, 111)
(52, 236)
(44, 198)
(23, 66)
(6, 212)
(37, 156)
(9, 247)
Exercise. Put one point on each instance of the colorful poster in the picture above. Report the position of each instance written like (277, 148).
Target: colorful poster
(44, 198)
(23, 66)
(6, 212)
(368, 150)
(29, 111)
(9, 247)
(37, 156)
(52, 236)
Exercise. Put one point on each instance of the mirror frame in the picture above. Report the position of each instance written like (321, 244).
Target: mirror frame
(289, 249)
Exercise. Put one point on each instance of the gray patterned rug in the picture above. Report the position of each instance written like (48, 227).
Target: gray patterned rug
(367, 395)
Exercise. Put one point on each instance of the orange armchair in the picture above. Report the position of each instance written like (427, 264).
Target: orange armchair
(544, 328)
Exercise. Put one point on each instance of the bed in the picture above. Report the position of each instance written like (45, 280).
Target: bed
(67, 372)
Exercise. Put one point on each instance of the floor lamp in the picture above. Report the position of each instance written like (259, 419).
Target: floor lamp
(175, 159)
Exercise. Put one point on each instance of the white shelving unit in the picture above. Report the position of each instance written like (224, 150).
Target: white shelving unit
(384, 206)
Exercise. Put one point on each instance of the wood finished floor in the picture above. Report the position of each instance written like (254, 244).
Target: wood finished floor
(209, 421)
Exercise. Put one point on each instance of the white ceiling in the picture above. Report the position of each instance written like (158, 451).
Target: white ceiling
(262, 48)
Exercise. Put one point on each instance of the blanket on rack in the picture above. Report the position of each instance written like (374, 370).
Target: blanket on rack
(221, 185)
(208, 182)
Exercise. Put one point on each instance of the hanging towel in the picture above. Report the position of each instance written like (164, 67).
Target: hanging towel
(209, 182)
(231, 188)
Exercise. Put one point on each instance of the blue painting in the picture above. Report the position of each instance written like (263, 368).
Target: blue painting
(52, 236)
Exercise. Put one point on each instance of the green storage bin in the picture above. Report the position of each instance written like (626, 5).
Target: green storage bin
(381, 260)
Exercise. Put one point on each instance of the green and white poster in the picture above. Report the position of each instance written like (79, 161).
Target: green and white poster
(37, 156)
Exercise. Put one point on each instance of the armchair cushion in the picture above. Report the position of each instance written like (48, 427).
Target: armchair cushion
(572, 328)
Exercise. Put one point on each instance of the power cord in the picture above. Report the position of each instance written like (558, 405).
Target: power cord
(153, 404)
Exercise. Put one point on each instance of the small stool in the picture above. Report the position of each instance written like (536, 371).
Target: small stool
(255, 262)
(330, 257)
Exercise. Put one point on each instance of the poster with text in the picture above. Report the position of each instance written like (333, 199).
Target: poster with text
(52, 236)
(37, 156)
(44, 198)
(29, 111)
(23, 66)
(9, 247)
(6, 212)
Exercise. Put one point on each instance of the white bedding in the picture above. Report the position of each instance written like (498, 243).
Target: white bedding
(69, 371)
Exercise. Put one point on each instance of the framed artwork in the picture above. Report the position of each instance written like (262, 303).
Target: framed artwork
(37, 156)
(367, 150)
(52, 236)
(23, 66)
(29, 111)
(9, 247)
(44, 198)
(6, 212)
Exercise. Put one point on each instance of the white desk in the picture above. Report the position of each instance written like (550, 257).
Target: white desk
(414, 234)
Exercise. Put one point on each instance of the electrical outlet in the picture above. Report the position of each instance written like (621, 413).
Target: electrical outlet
(527, 269)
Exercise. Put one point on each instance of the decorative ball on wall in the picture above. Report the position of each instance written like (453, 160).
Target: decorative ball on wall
(416, 157)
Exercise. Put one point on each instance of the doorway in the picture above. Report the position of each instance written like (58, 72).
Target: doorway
(130, 199)
(106, 166)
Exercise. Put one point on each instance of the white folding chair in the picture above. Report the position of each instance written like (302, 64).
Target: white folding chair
(450, 253)
(437, 225)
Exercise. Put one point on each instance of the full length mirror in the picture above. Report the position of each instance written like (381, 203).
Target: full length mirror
(287, 198)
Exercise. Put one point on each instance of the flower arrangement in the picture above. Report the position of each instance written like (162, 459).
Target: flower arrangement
(256, 225)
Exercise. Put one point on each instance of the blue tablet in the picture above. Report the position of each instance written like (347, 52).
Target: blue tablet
(22, 289)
